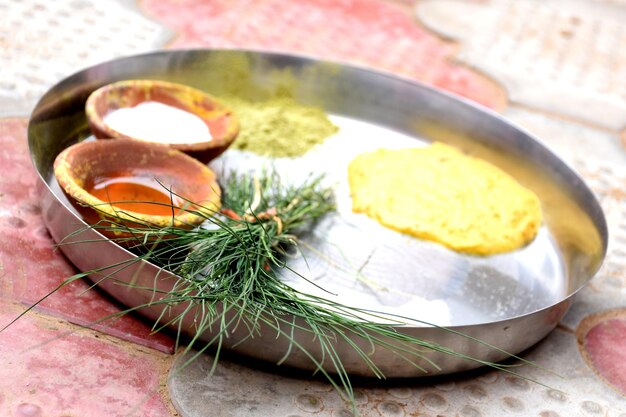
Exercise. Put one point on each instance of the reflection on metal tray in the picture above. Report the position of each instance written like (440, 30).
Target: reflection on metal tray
(510, 300)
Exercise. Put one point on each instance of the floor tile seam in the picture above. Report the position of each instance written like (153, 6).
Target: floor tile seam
(161, 362)
(500, 98)
(103, 327)
(13, 119)
(563, 117)
(504, 100)
(168, 33)
(71, 328)
(512, 103)
(583, 328)
(453, 58)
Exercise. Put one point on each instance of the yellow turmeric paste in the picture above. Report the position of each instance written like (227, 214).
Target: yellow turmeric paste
(440, 194)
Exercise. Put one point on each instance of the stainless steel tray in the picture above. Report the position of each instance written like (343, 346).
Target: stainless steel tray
(511, 300)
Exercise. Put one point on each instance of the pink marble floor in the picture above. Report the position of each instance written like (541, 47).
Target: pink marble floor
(32, 267)
(52, 368)
(602, 339)
(377, 34)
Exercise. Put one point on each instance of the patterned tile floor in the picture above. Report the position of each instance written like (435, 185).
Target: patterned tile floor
(52, 368)
(30, 264)
(121, 368)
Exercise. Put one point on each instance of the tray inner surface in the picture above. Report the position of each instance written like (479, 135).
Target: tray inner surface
(356, 260)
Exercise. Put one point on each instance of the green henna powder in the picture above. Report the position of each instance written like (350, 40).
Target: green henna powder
(280, 126)
(272, 123)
